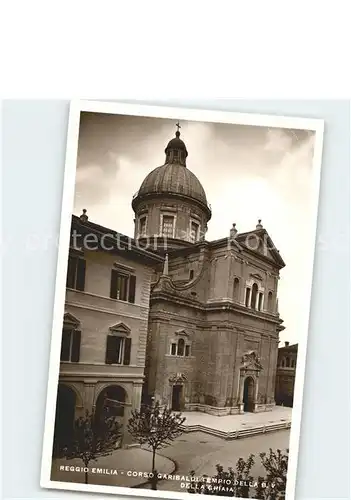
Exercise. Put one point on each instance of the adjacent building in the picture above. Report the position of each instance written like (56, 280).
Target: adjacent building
(104, 326)
(286, 370)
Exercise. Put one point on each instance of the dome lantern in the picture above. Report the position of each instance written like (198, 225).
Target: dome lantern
(176, 151)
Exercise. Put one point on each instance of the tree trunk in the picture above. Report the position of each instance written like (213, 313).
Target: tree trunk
(154, 472)
(86, 473)
(153, 459)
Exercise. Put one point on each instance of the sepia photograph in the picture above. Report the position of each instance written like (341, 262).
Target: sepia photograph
(182, 302)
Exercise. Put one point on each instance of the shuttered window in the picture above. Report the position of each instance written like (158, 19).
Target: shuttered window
(127, 351)
(122, 286)
(70, 345)
(76, 273)
(118, 350)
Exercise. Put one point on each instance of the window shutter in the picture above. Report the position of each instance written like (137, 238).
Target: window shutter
(127, 351)
(80, 285)
(65, 344)
(75, 354)
(132, 282)
(71, 272)
(113, 287)
(110, 349)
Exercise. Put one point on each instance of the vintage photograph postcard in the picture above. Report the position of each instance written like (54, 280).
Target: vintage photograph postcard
(182, 302)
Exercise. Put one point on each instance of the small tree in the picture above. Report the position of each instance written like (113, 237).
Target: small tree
(155, 427)
(92, 438)
(276, 465)
(270, 487)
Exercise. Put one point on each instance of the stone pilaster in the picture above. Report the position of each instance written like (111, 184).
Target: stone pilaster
(89, 396)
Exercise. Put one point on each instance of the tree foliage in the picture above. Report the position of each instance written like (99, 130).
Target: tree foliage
(239, 482)
(92, 438)
(155, 427)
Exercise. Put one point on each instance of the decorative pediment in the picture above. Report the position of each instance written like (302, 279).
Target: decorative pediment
(250, 361)
(260, 242)
(256, 276)
(70, 320)
(182, 333)
(178, 378)
(120, 328)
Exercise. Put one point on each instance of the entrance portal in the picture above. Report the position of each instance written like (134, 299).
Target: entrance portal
(248, 397)
(177, 397)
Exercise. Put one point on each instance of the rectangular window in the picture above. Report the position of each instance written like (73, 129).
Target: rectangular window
(168, 226)
(142, 226)
(187, 350)
(118, 350)
(194, 232)
(122, 286)
(173, 349)
(70, 346)
(247, 297)
(76, 273)
(260, 301)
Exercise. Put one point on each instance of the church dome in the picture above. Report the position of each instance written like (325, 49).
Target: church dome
(173, 179)
(171, 206)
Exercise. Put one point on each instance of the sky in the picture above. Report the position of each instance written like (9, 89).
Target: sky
(248, 173)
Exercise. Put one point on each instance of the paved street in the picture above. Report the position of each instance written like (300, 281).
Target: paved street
(192, 451)
(201, 452)
(118, 469)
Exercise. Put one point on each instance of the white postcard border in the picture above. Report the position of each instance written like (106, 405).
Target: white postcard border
(78, 106)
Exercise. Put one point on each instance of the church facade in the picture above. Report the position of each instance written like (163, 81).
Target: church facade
(214, 325)
(167, 314)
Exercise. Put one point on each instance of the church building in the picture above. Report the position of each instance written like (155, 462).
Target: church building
(168, 315)
(214, 325)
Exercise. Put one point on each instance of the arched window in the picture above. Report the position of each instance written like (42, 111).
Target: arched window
(270, 302)
(181, 345)
(236, 289)
(283, 362)
(292, 363)
(287, 362)
(191, 274)
(254, 293)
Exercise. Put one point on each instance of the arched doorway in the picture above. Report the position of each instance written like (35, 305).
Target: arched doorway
(65, 416)
(111, 402)
(249, 394)
(177, 397)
